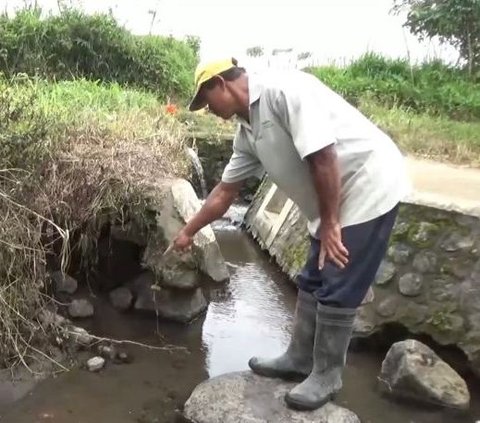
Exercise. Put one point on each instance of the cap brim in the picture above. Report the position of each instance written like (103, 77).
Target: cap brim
(197, 102)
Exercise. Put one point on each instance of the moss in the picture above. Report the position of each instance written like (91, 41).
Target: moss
(423, 234)
(443, 319)
(296, 254)
(400, 232)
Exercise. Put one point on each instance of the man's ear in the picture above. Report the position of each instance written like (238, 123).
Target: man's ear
(220, 82)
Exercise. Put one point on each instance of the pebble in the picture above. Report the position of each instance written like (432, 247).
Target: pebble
(95, 364)
(123, 357)
(107, 351)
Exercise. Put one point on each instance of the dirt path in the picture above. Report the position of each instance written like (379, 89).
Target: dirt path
(448, 186)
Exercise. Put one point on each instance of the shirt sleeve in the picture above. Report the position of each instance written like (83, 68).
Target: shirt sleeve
(243, 163)
(307, 116)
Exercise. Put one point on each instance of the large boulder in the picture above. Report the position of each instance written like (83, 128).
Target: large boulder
(412, 370)
(178, 207)
(246, 397)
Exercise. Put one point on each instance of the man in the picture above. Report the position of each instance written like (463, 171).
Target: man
(346, 176)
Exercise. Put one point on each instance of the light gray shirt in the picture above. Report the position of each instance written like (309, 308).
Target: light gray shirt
(292, 115)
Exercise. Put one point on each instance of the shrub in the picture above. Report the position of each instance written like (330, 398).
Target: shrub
(76, 45)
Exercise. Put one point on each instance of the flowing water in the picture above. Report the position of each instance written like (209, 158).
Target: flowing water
(252, 315)
(197, 165)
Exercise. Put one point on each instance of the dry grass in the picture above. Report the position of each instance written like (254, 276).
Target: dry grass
(88, 151)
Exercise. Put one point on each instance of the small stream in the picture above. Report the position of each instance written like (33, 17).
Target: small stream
(252, 315)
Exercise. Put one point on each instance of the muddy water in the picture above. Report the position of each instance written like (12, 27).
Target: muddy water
(250, 316)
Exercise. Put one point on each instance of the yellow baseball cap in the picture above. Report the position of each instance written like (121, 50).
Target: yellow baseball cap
(205, 72)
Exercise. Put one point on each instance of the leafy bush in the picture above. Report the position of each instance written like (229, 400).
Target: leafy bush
(73, 45)
(433, 87)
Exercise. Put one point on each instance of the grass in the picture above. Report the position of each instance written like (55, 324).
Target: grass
(432, 137)
(205, 125)
(73, 155)
(433, 87)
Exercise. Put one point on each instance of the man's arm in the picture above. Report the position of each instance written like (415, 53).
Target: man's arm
(215, 206)
(326, 180)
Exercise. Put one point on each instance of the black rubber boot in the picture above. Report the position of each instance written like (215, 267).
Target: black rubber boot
(296, 363)
(332, 337)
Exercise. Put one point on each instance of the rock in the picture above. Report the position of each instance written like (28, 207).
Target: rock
(180, 278)
(48, 317)
(176, 305)
(141, 282)
(410, 284)
(123, 357)
(121, 298)
(95, 364)
(457, 242)
(64, 283)
(388, 307)
(80, 336)
(400, 229)
(178, 208)
(107, 351)
(425, 262)
(412, 370)
(442, 290)
(80, 308)
(385, 273)
(458, 267)
(246, 397)
(413, 314)
(369, 297)
(399, 253)
(363, 325)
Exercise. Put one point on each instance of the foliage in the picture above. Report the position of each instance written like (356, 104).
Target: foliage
(256, 51)
(304, 55)
(433, 87)
(73, 45)
(432, 137)
(454, 21)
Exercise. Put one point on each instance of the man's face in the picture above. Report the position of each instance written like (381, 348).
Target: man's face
(219, 99)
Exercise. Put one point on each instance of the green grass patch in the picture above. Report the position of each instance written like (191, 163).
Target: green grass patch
(433, 137)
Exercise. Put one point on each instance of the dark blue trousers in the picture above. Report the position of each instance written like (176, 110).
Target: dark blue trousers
(367, 244)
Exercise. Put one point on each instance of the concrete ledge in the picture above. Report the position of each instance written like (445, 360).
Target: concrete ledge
(444, 186)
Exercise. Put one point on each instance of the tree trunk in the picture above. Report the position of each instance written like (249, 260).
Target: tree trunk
(470, 54)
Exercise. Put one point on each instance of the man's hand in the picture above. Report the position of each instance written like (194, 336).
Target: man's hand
(331, 246)
(215, 206)
(183, 241)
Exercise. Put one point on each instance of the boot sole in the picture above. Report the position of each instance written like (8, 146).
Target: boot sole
(302, 406)
(278, 374)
